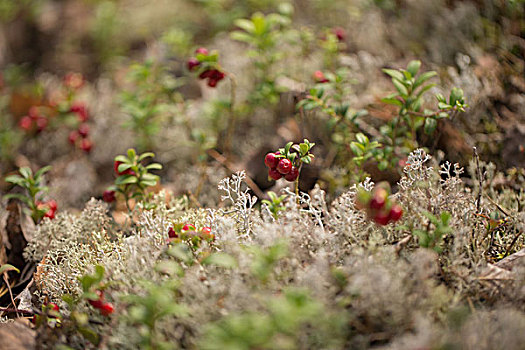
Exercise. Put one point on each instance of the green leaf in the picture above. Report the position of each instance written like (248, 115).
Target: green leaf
(181, 252)
(123, 167)
(455, 95)
(132, 153)
(393, 73)
(126, 180)
(42, 171)
(413, 67)
(430, 126)
(423, 78)
(355, 149)
(146, 155)
(26, 172)
(15, 179)
(154, 166)
(303, 148)
(361, 138)
(220, 259)
(425, 89)
(241, 36)
(20, 197)
(287, 148)
(245, 24)
(8, 267)
(392, 101)
(400, 87)
(122, 159)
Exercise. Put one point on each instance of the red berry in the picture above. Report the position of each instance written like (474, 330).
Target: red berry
(193, 63)
(382, 218)
(319, 77)
(41, 123)
(284, 166)
(108, 196)
(172, 233)
(99, 302)
(292, 175)
(339, 33)
(395, 212)
(106, 309)
(53, 306)
(212, 82)
(271, 160)
(274, 174)
(205, 74)
(206, 230)
(80, 109)
(202, 51)
(26, 123)
(217, 74)
(188, 227)
(52, 205)
(86, 145)
(73, 136)
(83, 130)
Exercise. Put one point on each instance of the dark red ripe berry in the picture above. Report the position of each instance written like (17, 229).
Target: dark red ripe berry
(97, 304)
(292, 175)
(205, 74)
(212, 82)
(274, 174)
(217, 74)
(202, 51)
(73, 136)
(172, 233)
(106, 309)
(193, 63)
(108, 196)
(86, 145)
(271, 160)
(83, 130)
(395, 212)
(382, 218)
(284, 166)
(339, 33)
(188, 227)
(26, 123)
(41, 123)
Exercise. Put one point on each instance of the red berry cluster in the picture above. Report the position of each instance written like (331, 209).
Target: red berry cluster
(319, 77)
(280, 167)
(208, 71)
(379, 206)
(179, 233)
(33, 121)
(104, 307)
(51, 207)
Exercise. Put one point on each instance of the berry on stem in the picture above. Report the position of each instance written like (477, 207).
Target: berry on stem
(382, 218)
(108, 196)
(274, 174)
(202, 51)
(284, 166)
(83, 130)
(188, 227)
(172, 233)
(26, 123)
(193, 63)
(73, 137)
(271, 160)
(86, 145)
(292, 175)
(107, 309)
(395, 212)
(319, 77)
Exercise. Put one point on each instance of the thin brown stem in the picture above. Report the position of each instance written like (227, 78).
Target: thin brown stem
(6, 280)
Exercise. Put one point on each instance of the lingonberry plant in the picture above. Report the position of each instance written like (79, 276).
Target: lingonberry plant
(411, 88)
(133, 178)
(379, 205)
(364, 150)
(33, 184)
(274, 204)
(288, 161)
(206, 64)
(263, 34)
(150, 101)
(189, 234)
